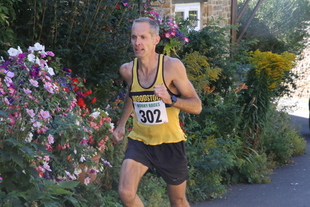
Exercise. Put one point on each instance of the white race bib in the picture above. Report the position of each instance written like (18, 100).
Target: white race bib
(151, 113)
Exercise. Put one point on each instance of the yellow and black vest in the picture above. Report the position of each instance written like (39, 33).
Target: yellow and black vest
(154, 123)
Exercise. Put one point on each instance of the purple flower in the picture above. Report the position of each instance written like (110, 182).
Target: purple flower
(106, 162)
(50, 53)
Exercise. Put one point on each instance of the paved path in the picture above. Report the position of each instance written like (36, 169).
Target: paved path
(290, 186)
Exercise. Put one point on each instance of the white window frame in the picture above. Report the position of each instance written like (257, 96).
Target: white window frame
(189, 7)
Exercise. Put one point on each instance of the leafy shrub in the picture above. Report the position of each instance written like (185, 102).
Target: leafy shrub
(252, 168)
(279, 140)
(199, 71)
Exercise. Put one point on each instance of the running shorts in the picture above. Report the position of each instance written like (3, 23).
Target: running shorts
(168, 160)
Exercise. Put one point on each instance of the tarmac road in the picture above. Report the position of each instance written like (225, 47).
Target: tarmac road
(290, 186)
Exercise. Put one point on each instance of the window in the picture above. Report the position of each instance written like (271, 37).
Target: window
(189, 11)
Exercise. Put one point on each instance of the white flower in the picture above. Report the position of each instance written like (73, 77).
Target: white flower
(72, 177)
(37, 47)
(14, 52)
(95, 114)
(82, 159)
(29, 137)
(50, 71)
(38, 61)
(77, 171)
(31, 57)
(8, 81)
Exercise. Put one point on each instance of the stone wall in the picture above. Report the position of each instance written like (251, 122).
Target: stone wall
(215, 10)
(302, 69)
(210, 10)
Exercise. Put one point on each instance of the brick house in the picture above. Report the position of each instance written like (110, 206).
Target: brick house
(206, 10)
(203, 10)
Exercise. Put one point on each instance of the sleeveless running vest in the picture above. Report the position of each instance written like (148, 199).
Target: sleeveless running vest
(153, 123)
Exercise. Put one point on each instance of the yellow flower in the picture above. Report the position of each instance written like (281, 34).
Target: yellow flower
(274, 66)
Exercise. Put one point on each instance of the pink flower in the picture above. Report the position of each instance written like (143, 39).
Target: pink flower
(49, 87)
(50, 53)
(47, 167)
(186, 39)
(10, 74)
(46, 158)
(27, 91)
(87, 181)
(30, 112)
(37, 124)
(6, 100)
(34, 83)
(50, 139)
(92, 170)
(167, 35)
(173, 33)
(45, 114)
(83, 141)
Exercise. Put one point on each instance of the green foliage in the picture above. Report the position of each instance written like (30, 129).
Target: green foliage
(213, 42)
(254, 168)
(279, 140)
(199, 71)
(152, 191)
(279, 25)
(21, 182)
(266, 80)
(212, 145)
(7, 16)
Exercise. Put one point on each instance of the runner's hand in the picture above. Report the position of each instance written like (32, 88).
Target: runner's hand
(162, 92)
(118, 134)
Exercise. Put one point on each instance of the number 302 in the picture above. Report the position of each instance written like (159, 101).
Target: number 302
(148, 116)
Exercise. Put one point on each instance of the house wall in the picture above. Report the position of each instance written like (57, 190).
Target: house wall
(210, 9)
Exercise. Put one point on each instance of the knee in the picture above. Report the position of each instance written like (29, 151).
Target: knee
(177, 202)
(126, 195)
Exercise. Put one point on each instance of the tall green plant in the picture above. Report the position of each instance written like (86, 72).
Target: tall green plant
(265, 80)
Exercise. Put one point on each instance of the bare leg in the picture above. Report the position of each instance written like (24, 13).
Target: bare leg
(177, 195)
(130, 176)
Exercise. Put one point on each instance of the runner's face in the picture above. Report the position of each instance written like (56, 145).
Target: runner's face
(142, 41)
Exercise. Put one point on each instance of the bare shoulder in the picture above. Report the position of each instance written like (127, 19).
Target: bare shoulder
(174, 66)
(126, 71)
(175, 62)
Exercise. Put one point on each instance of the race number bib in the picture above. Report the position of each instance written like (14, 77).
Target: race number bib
(151, 113)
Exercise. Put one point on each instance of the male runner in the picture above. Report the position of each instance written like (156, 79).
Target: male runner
(158, 88)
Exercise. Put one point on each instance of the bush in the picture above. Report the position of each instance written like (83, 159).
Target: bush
(279, 140)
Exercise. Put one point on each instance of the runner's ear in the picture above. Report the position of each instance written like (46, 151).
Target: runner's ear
(156, 40)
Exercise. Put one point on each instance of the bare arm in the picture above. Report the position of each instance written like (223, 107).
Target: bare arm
(178, 82)
(119, 132)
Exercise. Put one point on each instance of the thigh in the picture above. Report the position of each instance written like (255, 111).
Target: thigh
(131, 174)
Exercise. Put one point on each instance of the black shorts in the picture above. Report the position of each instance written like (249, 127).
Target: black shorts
(168, 160)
